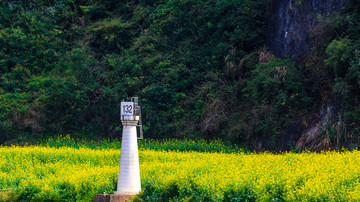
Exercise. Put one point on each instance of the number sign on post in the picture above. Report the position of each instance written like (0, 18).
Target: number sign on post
(127, 108)
(129, 171)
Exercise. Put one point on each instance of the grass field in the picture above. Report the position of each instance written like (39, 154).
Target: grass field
(66, 170)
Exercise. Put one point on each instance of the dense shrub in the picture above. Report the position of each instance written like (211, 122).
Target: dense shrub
(200, 68)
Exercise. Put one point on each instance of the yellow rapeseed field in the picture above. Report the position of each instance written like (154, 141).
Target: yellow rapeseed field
(76, 174)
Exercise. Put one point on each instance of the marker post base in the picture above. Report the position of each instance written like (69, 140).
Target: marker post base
(112, 198)
(129, 171)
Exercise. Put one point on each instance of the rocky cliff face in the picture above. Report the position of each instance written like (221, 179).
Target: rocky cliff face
(291, 22)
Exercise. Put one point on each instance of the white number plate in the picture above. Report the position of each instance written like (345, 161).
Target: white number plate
(127, 108)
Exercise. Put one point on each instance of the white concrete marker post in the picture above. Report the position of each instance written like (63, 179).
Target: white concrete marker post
(129, 171)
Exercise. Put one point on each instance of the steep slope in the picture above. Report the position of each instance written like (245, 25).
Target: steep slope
(292, 20)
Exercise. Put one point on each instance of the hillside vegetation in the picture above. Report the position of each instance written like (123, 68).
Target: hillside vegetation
(202, 69)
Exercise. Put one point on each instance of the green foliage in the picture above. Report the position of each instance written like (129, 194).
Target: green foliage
(66, 64)
(277, 82)
(111, 35)
(339, 54)
(199, 67)
(353, 74)
(343, 58)
(157, 145)
(279, 94)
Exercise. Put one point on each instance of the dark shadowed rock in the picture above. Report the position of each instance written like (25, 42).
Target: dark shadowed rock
(291, 22)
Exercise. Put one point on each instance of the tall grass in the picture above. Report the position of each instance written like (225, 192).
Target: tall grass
(144, 144)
